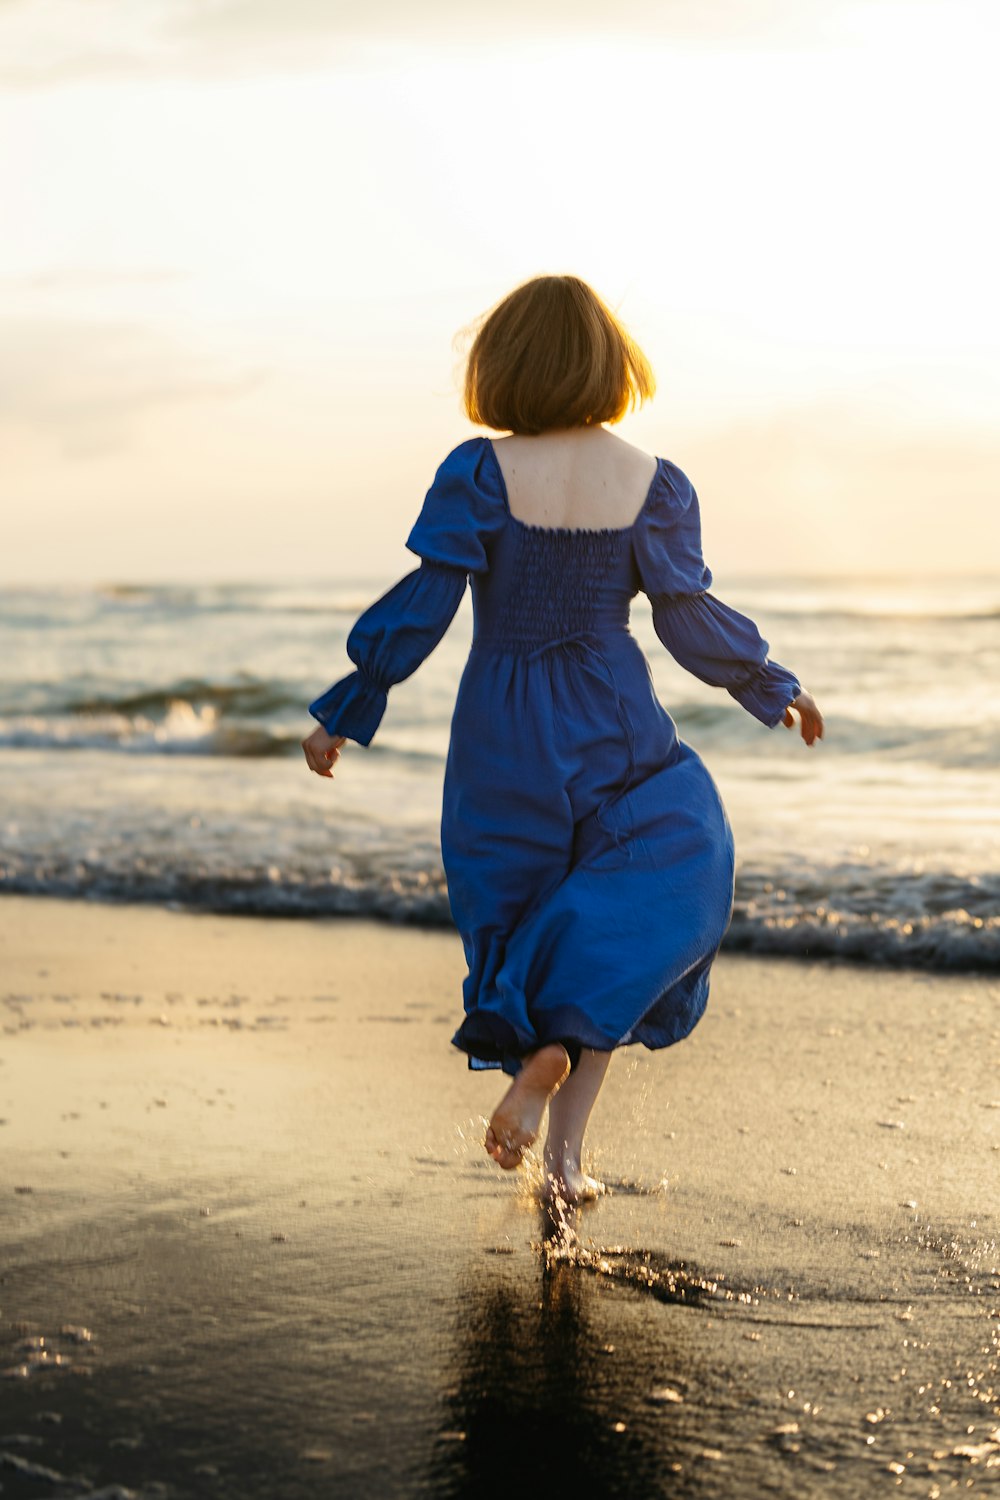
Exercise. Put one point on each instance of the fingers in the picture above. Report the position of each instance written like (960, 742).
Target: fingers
(810, 716)
(322, 752)
(812, 726)
(317, 763)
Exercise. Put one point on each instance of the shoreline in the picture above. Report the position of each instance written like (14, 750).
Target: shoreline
(245, 1158)
(743, 938)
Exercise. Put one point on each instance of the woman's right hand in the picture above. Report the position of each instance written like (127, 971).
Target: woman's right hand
(322, 751)
(812, 719)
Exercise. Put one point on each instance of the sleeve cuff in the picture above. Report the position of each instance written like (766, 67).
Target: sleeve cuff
(353, 707)
(768, 694)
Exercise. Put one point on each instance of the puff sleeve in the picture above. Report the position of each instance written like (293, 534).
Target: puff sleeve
(462, 511)
(401, 629)
(705, 636)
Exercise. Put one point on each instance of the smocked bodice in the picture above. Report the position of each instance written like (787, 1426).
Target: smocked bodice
(546, 583)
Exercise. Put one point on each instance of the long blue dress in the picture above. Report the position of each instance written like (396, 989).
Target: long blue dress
(588, 855)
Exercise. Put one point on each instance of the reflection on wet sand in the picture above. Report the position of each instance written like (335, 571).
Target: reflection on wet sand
(537, 1394)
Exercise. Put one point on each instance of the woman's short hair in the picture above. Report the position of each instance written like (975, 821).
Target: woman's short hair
(551, 354)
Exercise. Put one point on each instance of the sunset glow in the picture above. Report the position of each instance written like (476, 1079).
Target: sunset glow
(235, 261)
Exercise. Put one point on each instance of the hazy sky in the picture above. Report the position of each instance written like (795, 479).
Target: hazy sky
(240, 238)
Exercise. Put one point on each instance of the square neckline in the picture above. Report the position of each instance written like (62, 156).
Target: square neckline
(571, 530)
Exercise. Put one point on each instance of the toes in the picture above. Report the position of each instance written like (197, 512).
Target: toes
(512, 1153)
(505, 1150)
(504, 1146)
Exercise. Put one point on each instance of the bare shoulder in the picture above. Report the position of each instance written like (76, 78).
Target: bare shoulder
(632, 448)
(642, 463)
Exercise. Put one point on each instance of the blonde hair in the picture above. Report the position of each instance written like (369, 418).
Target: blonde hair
(552, 354)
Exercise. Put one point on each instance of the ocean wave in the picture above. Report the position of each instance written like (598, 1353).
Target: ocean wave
(951, 941)
(413, 897)
(168, 717)
(934, 920)
(186, 730)
(250, 696)
(260, 720)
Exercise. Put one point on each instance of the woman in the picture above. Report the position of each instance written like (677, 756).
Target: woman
(588, 855)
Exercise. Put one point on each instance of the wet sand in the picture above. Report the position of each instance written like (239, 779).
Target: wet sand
(251, 1244)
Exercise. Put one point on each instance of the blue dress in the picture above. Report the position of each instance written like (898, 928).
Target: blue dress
(588, 855)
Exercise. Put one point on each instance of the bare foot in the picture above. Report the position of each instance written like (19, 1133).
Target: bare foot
(517, 1117)
(566, 1182)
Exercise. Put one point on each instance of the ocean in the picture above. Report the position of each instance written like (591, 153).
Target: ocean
(150, 751)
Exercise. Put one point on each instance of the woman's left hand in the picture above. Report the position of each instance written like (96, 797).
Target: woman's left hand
(322, 751)
(807, 708)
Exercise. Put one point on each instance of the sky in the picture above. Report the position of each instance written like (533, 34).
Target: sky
(244, 241)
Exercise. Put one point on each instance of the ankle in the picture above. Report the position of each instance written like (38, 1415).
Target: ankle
(562, 1159)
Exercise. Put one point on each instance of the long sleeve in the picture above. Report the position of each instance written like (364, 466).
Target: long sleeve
(461, 513)
(708, 638)
(716, 643)
(387, 644)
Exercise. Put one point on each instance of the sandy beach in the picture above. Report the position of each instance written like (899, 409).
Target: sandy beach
(251, 1243)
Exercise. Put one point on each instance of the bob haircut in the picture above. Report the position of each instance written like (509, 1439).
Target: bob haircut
(553, 355)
